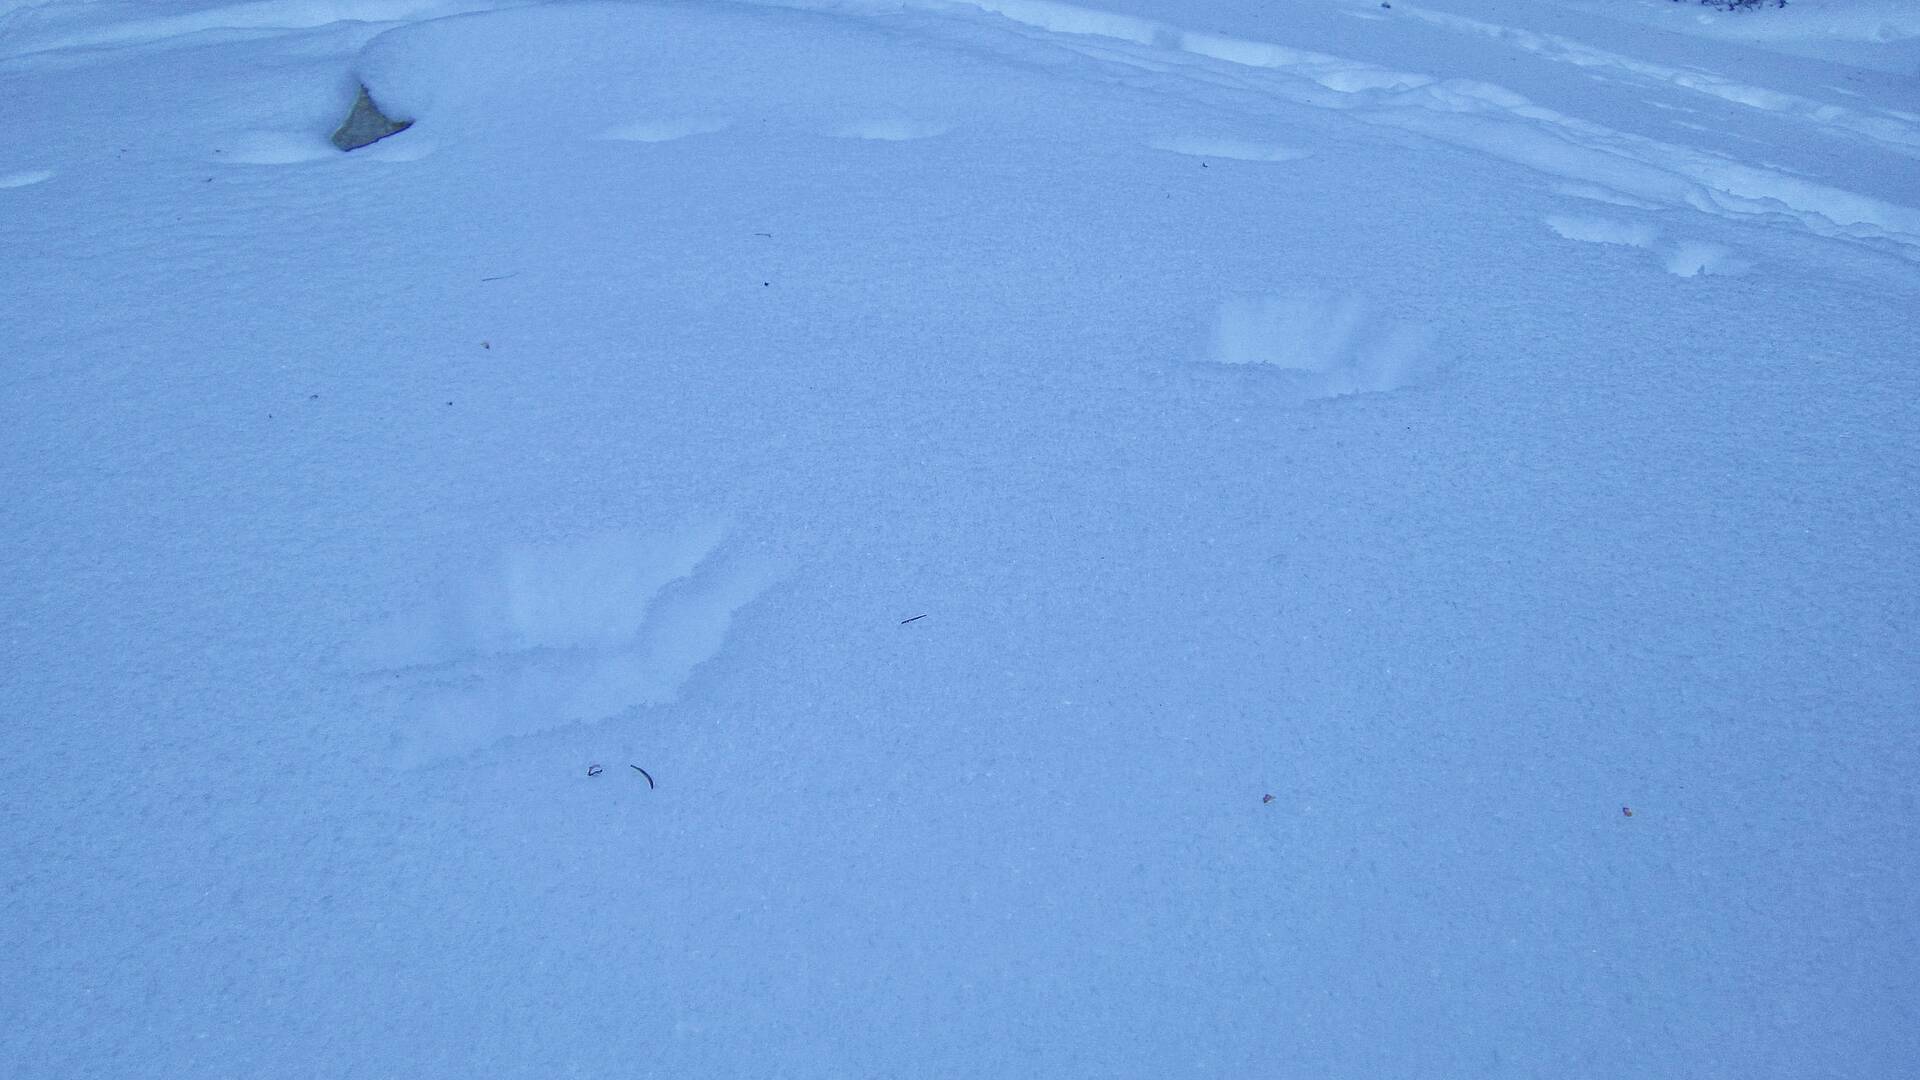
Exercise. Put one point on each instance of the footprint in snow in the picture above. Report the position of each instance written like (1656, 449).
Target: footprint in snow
(1227, 149)
(889, 130)
(549, 635)
(1697, 259)
(1685, 259)
(665, 130)
(1589, 230)
(25, 179)
(1334, 343)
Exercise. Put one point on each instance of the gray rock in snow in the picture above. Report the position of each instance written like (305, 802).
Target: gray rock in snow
(366, 124)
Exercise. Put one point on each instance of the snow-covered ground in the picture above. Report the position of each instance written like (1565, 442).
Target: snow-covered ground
(970, 455)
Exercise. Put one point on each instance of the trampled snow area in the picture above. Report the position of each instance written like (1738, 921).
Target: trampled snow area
(970, 455)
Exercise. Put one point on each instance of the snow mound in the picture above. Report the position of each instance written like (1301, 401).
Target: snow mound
(649, 73)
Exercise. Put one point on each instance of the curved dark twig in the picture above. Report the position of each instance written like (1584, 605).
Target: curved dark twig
(644, 773)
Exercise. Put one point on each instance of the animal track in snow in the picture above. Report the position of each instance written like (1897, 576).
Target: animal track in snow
(1226, 149)
(1337, 344)
(551, 635)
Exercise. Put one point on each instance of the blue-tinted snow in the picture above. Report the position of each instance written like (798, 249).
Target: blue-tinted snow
(1462, 421)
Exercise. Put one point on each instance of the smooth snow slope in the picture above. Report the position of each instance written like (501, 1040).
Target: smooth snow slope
(1462, 422)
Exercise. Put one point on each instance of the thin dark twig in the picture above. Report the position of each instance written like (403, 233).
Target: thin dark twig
(644, 773)
(916, 618)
